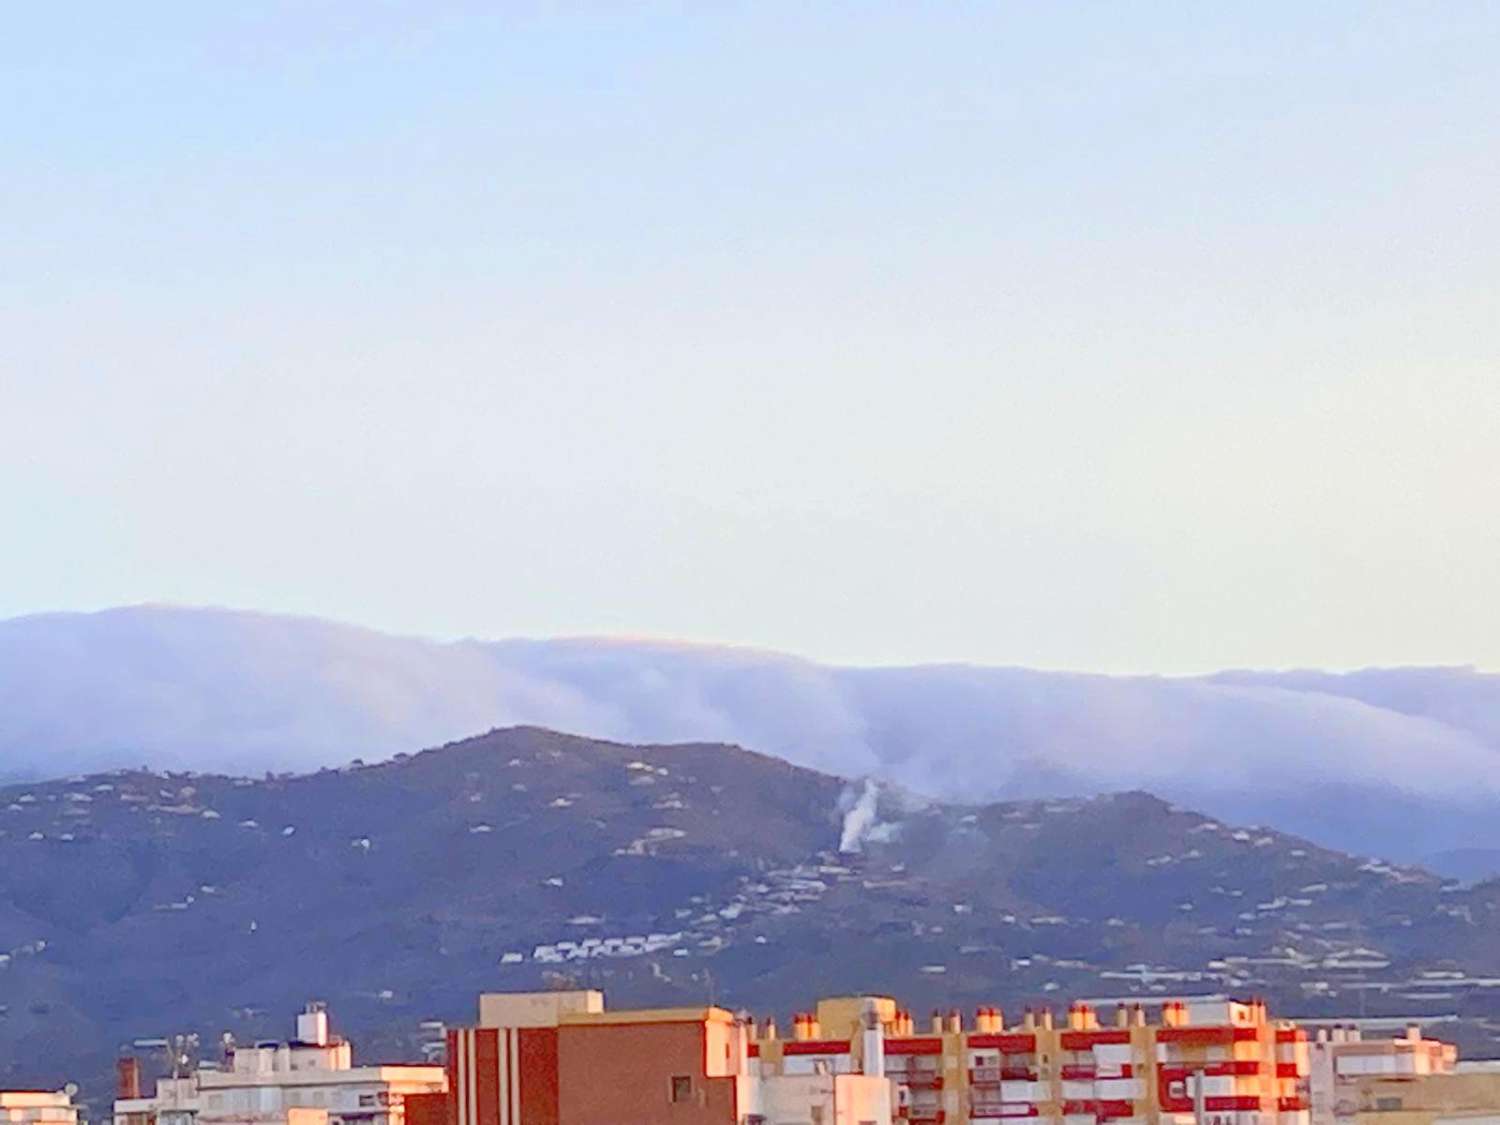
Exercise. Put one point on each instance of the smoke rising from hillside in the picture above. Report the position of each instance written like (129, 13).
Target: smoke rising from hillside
(859, 816)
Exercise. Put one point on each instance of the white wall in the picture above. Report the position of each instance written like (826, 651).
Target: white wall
(844, 1099)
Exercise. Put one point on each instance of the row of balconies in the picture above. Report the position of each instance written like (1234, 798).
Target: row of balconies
(1101, 1110)
(1081, 1072)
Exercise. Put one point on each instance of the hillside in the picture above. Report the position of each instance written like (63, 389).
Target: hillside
(1337, 758)
(137, 904)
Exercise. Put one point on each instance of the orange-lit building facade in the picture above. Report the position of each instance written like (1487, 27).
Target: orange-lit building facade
(549, 1058)
(561, 1059)
(1252, 1070)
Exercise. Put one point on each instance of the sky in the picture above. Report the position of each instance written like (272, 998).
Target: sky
(1134, 338)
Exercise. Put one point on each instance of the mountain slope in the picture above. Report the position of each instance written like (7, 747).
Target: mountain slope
(1334, 757)
(139, 904)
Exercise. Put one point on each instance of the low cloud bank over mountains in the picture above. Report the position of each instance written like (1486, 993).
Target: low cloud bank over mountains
(1395, 762)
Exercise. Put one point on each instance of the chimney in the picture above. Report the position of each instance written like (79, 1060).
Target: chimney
(1081, 1017)
(988, 1020)
(805, 1027)
(128, 1077)
(770, 1029)
(955, 1022)
(1413, 1033)
(937, 1022)
(874, 1041)
(1029, 1022)
(1046, 1015)
(1137, 1015)
(905, 1025)
(1122, 1016)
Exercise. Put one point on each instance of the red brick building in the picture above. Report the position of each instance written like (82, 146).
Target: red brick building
(560, 1059)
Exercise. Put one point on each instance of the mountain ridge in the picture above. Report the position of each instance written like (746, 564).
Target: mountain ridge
(139, 903)
(1332, 756)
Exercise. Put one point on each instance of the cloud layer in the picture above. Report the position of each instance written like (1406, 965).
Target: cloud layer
(1398, 762)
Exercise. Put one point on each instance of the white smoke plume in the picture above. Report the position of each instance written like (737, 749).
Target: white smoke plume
(862, 823)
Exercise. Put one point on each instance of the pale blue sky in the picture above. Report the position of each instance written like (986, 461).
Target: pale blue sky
(1134, 337)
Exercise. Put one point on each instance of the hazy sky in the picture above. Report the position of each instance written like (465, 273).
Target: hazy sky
(1113, 336)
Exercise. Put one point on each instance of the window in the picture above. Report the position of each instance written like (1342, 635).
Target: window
(1387, 1105)
(682, 1088)
(367, 1099)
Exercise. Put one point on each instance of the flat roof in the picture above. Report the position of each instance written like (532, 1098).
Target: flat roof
(404, 1072)
(646, 1015)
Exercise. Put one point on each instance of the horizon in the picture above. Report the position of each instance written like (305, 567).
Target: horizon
(665, 642)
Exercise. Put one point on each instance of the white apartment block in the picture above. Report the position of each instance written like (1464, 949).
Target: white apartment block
(1343, 1059)
(35, 1107)
(311, 1080)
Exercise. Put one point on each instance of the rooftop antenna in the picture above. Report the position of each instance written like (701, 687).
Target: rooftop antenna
(182, 1054)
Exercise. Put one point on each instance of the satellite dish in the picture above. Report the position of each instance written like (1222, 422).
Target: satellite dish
(71, 1089)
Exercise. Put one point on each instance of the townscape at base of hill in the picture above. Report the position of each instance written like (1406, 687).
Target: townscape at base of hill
(562, 1058)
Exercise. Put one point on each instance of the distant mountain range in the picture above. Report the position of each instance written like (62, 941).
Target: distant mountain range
(139, 904)
(1403, 763)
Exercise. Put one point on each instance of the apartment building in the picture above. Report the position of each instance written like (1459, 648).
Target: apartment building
(1402, 1080)
(1349, 1071)
(309, 1080)
(561, 1059)
(1220, 1062)
(37, 1107)
(1460, 1098)
(564, 1058)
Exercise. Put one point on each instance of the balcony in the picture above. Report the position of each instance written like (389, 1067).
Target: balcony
(1001, 1111)
(1101, 1109)
(994, 1075)
(919, 1079)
